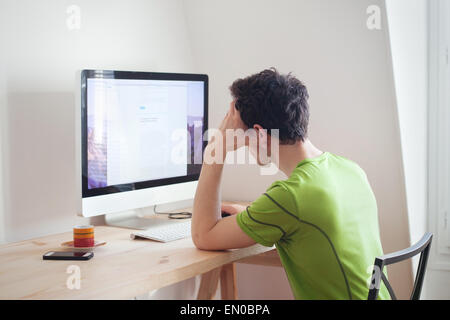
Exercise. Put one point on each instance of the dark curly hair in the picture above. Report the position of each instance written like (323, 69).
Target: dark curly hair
(274, 101)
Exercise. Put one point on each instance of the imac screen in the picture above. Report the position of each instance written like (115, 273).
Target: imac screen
(143, 130)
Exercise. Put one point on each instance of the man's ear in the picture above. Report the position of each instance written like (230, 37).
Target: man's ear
(263, 144)
(257, 127)
(262, 133)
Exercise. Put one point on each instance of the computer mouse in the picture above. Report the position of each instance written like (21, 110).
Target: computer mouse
(225, 214)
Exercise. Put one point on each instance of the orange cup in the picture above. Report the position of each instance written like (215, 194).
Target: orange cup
(83, 236)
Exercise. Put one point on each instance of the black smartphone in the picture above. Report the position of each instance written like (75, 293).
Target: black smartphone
(67, 255)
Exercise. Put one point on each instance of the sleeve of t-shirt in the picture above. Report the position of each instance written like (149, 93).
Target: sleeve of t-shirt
(271, 217)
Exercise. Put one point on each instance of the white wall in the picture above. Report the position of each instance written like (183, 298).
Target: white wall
(437, 284)
(2, 133)
(3, 31)
(2, 204)
(409, 42)
(408, 28)
(408, 25)
(348, 71)
(438, 273)
(324, 42)
(42, 56)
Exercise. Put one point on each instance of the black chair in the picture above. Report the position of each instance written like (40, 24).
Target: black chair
(422, 247)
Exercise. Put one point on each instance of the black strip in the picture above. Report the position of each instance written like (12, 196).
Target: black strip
(326, 236)
(267, 224)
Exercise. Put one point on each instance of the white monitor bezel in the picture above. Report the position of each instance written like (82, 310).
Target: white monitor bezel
(119, 201)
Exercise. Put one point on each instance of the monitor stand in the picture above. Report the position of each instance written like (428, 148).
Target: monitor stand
(145, 218)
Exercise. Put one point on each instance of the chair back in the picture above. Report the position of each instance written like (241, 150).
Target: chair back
(422, 247)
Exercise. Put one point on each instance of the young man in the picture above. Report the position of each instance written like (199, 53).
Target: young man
(322, 219)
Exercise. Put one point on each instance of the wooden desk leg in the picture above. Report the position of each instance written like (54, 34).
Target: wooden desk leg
(209, 284)
(269, 258)
(228, 286)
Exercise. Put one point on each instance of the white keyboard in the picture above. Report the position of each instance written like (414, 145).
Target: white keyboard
(166, 232)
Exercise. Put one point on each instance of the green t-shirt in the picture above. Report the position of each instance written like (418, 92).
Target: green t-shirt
(323, 220)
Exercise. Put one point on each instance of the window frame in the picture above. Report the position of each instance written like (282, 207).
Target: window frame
(439, 133)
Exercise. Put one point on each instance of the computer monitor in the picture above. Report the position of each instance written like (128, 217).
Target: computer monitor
(141, 140)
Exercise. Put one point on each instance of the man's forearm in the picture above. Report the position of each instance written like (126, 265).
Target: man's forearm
(207, 199)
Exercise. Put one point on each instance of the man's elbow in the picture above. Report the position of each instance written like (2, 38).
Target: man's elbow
(198, 240)
(201, 242)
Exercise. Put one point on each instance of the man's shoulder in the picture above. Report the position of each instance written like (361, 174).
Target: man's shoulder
(344, 160)
(297, 180)
(306, 177)
(278, 195)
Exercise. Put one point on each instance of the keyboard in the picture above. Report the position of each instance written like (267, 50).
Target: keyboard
(166, 232)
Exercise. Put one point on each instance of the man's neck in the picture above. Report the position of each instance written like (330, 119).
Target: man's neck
(291, 155)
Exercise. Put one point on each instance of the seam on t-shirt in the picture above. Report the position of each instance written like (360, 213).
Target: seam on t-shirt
(326, 236)
(267, 224)
(255, 235)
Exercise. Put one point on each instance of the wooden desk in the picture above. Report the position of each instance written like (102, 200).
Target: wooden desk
(121, 269)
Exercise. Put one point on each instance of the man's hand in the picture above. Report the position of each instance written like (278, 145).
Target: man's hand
(233, 122)
(209, 230)
(232, 208)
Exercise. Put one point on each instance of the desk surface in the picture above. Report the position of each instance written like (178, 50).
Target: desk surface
(121, 269)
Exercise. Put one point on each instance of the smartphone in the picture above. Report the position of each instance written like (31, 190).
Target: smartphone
(67, 255)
